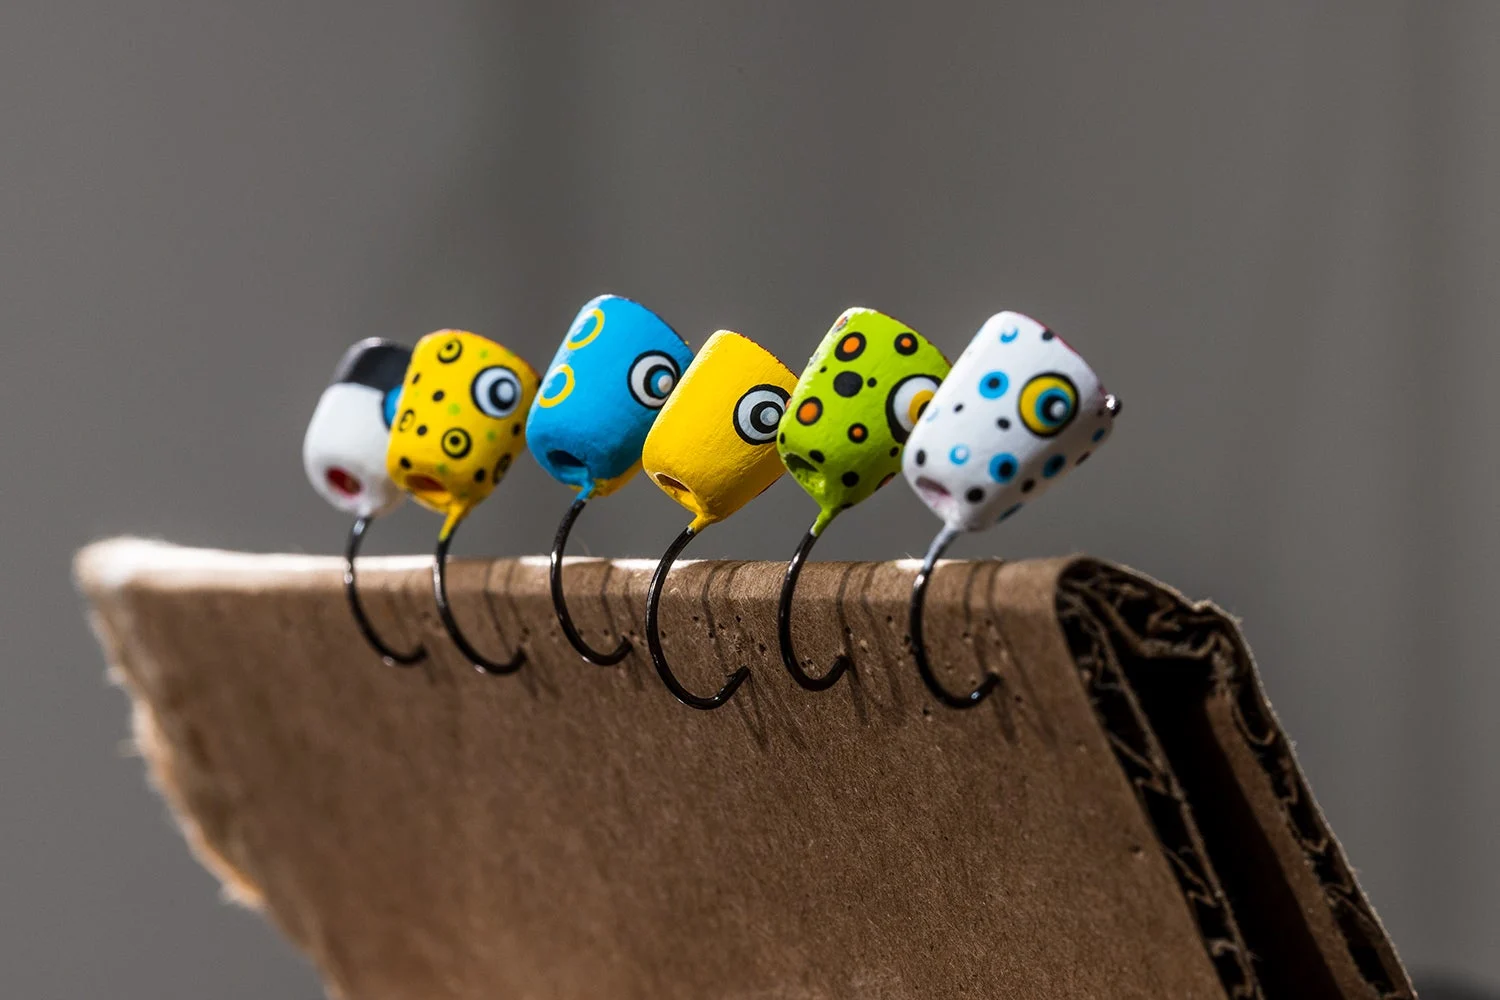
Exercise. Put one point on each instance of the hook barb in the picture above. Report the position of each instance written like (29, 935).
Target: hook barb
(918, 644)
(445, 612)
(841, 662)
(653, 636)
(560, 601)
(389, 656)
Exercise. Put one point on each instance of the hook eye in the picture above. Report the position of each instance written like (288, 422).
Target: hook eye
(445, 612)
(918, 644)
(841, 663)
(653, 636)
(560, 601)
(351, 590)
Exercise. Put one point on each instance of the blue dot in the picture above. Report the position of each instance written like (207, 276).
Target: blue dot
(993, 385)
(1054, 466)
(959, 455)
(1099, 435)
(1009, 512)
(1009, 335)
(1003, 467)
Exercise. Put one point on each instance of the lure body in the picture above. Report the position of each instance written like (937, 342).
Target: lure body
(854, 407)
(712, 448)
(605, 387)
(343, 452)
(1019, 410)
(460, 421)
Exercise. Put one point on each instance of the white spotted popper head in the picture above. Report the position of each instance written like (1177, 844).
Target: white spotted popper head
(344, 449)
(1019, 410)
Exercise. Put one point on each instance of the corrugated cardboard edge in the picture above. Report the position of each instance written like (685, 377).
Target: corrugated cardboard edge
(109, 565)
(1156, 621)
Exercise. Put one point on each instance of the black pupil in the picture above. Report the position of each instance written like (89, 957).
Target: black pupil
(1056, 409)
(994, 383)
(1007, 469)
(765, 416)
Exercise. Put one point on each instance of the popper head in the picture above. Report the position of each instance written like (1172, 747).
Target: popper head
(854, 408)
(712, 446)
(344, 449)
(1017, 412)
(460, 421)
(602, 392)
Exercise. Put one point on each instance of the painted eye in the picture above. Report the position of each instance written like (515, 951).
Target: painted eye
(1048, 403)
(652, 378)
(497, 392)
(450, 351)
(456, 442)
(758, 413)
(908, 398)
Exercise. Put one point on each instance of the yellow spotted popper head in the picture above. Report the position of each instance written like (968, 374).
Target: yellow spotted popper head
(460, 422)
(854, 407)
(712, 447)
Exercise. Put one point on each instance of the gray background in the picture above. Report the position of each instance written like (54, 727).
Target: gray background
(1271, 227)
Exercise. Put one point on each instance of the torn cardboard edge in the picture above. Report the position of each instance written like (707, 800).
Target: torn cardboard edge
(1171, 684)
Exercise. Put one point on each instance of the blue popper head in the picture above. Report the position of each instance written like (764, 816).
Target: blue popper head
(616, 367)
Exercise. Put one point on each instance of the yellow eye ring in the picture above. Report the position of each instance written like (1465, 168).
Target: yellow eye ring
(547, 402)
(1048, 403)
(587, 338)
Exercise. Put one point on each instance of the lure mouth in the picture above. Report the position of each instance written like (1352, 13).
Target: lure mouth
(932, 490)
(796, 463)
(565, 460)
(423, 484)
(343, 482)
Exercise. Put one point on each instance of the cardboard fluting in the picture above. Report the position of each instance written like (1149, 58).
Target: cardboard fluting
(1124, 819)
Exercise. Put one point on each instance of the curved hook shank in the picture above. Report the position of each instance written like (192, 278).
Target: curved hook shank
(653, 636)
(351, 589)
(560, 601)
(440, 591)
(841, 663)
(918, 644)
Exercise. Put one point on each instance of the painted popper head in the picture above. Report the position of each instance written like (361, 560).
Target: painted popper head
(712, 448)
(605, 387)
(460, 421)
(1019, 410)
(855, 406)
(343, 452)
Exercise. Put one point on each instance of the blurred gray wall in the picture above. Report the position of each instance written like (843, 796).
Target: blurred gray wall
(1272, 227)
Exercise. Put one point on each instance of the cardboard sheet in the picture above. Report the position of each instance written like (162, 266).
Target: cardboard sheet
(1123, 819)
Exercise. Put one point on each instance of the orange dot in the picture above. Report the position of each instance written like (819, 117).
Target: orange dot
(857, 432)
(851, 344)
(809, 411)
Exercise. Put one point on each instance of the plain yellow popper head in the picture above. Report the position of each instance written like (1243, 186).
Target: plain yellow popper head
(713, 446)
(460, 422)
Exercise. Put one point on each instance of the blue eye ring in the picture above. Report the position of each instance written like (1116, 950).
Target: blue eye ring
(994, 385)
(1003, 467)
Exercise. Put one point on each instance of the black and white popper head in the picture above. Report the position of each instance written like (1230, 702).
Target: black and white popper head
(345, 448)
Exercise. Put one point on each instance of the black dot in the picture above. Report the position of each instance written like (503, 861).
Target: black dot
(847, 383)
(974, 495)
(850, 479)
(895, 451)
(1083, 458)
(921, 457)
(406, 463)
(515, 429)
(478, 475)
(1048, 334)
(1028, 486)
(1003, 424)
(823, 369)
(421, 430)
(958, 407)
(845, 506)
(815, 455)
(782, 438)
(417, 377)
(870, 382)
(437, 397)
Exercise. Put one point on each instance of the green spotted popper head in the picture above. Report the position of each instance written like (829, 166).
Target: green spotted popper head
(854, 407)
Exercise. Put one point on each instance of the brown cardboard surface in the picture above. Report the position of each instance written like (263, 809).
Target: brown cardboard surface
(574, 832)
